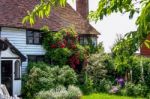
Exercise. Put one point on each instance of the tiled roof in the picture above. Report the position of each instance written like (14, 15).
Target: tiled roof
(12, 12)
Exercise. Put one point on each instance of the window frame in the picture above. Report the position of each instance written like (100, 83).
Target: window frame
(33, 37)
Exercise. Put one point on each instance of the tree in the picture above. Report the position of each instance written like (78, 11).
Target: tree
(107, 7)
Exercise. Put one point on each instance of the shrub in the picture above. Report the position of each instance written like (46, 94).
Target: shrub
(103, 85)
(74, 92)
(44, 77)
(87, 84)
(99, 67)
(134, 90)
(60, 92)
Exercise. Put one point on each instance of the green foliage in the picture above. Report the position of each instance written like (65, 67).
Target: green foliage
(100, 66)
(87, 85)
(106, 7)
(103, 85)
(138, 62)
(94, 49)
(44, 77)
(40, 65)
(122, 53)
(95, 67)
(60, 92)
(134, 90)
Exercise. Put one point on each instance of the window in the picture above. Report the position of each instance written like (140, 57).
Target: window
(17, 70)
(34, 37)
(35, 58)
(85, 40)
(81, 40)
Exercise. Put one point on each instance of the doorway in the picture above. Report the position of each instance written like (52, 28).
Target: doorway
(6, 77)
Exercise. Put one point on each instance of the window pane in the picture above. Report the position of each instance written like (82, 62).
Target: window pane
(81, 41)
(85, 40)
(29, 37)
(94, 41)
(40, 58)
(29, 33)
(17, 69)
(30, 40)
(31, 58)
(37, 38)
(36, 41)
(36, 34)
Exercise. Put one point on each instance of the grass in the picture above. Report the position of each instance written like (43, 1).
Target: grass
(106, 96)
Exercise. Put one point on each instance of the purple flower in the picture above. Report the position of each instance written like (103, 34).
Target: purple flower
(114, 89)
(120, 81)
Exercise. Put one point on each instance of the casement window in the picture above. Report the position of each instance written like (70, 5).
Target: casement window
(17, 69)
(34, 37)
(35, 58)
(85, 40)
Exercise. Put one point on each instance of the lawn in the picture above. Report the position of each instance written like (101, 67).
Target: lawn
(106, 96)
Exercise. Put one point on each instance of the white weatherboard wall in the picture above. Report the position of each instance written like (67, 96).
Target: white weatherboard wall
(18, 38)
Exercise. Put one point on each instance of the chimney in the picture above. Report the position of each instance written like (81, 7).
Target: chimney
(82, 7)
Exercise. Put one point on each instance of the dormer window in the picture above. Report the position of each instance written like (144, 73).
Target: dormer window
(34, 37)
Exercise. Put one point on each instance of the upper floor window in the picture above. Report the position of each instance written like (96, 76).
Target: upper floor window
(34, 37)
(85, 40)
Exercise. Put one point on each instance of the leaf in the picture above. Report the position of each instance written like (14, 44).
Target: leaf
(48, 9)
(25, 19)
(147, 43)
(31, 20)
(131, 14)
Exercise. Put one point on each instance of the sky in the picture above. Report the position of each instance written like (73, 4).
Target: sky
(111, 26)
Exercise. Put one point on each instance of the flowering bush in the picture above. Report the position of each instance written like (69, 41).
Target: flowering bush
(60, 92)
(63, 48)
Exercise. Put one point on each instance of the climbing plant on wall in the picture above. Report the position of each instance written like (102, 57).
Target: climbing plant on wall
(63, 48)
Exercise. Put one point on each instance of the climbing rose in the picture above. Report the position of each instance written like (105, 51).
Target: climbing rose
(62, 45)
(53, 46)
(74, 61)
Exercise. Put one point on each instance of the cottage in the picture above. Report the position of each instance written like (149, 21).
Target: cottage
(24, 41)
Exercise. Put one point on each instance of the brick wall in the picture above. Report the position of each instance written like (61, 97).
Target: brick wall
(82, 6)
